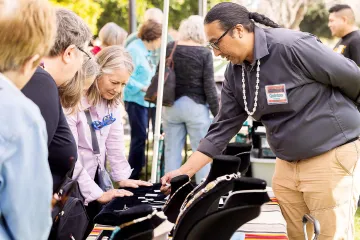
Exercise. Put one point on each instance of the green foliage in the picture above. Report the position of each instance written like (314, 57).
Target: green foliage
(99, 12)
(88, 10)
(316, 20)
(116, 11)
(181, 9)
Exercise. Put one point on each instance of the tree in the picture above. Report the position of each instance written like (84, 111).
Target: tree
(97, 13)
(117, 11)
(315, 21)
(88, 10)
(114, 11)
(288, 13)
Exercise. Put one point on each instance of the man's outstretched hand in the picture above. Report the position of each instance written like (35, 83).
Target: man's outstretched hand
(165, 180)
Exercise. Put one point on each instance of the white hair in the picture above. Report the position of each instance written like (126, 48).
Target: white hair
(112, 34)
(154, 14)
(192, 28)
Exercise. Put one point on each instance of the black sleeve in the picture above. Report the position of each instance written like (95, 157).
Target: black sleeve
(227, 122)
(312, 59)
(209, 83)
(354, 51)
(42, 90)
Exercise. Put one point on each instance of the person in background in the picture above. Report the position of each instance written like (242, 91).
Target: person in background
(154, 14)
(136, 107)
(110, 34)
(342, 24)
(174, 34)
(102, 100)
(83, 78)
(305, 95)
(59, 67)
(195, 92)
(87, 74)
(27, 32)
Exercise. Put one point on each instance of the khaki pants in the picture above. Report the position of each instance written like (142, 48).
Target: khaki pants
(326, 186)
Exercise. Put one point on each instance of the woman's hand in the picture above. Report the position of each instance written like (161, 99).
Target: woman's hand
(133, 183)
(113, 193)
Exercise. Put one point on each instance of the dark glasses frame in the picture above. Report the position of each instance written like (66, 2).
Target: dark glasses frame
(82, 50)
(215, 44)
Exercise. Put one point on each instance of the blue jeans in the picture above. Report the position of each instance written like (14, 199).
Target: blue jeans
(138, 120)
(184, 117)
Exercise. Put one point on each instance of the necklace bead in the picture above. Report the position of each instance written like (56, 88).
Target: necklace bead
(256, 89)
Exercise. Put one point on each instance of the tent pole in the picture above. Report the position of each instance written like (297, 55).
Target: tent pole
(132, 16)
(160, 92)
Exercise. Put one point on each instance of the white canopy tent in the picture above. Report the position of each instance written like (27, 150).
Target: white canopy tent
(164, 34)
(202, 12)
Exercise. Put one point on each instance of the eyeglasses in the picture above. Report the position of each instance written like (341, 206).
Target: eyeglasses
(107, 120)
(215, 44)
(82, 50)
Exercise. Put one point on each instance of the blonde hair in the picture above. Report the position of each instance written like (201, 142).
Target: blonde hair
(192, 28)
(71, 91)
(27, 28)
(71, 29)
(112, 34)
(109, 59)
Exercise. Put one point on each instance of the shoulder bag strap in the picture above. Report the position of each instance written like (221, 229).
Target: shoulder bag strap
(94, 140)
(170, 60)
(173, 50)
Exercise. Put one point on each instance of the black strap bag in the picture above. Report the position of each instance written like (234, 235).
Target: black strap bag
(103, 176)
(70, 219)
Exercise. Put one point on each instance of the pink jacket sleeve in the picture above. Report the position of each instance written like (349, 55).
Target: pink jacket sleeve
(89, 189)
(115, 149)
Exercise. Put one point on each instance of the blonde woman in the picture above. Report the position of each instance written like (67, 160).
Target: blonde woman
(110, 34)
(102, 100)
(195, 94)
